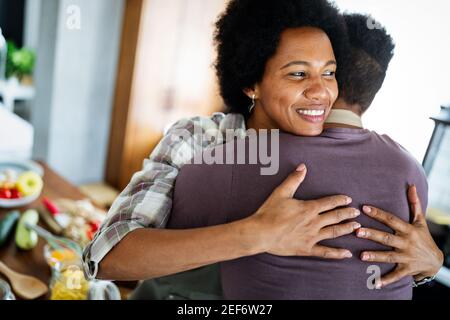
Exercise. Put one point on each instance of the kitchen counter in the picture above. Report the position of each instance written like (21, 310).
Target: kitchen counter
(33, 262)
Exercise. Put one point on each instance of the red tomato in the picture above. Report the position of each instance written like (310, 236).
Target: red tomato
(94, 226)
(5, 193)
(15, 194)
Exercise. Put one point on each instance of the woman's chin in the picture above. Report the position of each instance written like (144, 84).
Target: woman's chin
(307, 132)
(305, 127)
(311, 134)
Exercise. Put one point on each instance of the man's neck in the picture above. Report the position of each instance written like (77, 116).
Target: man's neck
(340, 104)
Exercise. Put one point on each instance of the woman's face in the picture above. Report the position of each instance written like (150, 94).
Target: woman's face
(299, 86)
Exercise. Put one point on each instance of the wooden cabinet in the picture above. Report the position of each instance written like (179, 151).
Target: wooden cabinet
(165, 73)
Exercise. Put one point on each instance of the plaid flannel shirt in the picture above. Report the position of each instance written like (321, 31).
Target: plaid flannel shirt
(147, 200)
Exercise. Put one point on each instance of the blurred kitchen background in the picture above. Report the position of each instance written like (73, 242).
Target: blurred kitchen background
(109, 76)
(92, 85)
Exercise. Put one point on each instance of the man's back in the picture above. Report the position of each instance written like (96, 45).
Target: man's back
(371, 169)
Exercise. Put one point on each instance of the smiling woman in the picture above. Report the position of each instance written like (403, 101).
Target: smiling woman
(260, 49)
(299, 86)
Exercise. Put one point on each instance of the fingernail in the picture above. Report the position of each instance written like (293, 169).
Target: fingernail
(348, 254)
(348, 200)
(301, 167)
(378, 285)
(356, 226)
(365, 256)
(367, 209)
(356, 213)
(361, 233)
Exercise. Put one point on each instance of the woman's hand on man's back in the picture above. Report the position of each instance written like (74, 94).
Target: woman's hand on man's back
(291, 227)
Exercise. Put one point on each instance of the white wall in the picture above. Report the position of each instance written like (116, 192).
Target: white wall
(418, 79)
(75, 86)
(41, 106)
(31, 25)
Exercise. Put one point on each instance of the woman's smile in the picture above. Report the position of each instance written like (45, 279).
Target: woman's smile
(312, 115)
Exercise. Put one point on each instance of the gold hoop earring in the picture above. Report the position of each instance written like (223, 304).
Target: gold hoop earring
(250, 108)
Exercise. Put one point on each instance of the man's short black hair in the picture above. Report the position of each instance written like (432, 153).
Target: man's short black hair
(364, 68)
(248, 33)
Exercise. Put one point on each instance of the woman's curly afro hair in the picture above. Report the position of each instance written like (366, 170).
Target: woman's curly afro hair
(248, 33)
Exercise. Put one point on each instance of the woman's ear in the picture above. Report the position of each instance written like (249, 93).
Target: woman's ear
(251, 92)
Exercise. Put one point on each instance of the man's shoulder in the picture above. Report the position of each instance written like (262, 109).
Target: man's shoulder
(388, 143)
(399, 155)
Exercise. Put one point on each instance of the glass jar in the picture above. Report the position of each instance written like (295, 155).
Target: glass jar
(69, 283)
(5, 291)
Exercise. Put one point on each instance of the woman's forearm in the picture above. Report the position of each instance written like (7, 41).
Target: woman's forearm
(150, 253)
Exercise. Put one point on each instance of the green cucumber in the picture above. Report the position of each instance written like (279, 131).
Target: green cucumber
(7, 225)
(27, 239)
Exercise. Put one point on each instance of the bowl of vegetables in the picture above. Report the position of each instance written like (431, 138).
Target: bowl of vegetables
(20, 183)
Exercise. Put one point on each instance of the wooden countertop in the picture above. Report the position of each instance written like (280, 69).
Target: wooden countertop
(32, 262)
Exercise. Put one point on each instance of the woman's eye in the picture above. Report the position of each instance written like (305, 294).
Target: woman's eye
(300, 74)
(329, 73)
